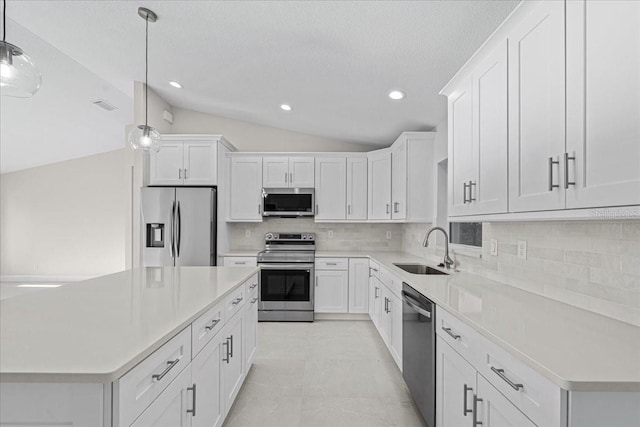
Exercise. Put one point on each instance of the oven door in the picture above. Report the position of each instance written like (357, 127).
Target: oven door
(286, 286)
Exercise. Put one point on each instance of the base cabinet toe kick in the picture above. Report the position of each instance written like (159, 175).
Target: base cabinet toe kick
(191, 380)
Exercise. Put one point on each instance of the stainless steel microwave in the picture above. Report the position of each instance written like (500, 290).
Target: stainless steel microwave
(288, 202)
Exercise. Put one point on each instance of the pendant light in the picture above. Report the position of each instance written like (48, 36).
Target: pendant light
(144, 137)
(19, 77)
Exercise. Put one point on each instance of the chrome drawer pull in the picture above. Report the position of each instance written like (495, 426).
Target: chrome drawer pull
(500, 373)
(226, 344)
(253, 286)
(551, 163)
(476, 399)
(253, 301)
(451, 334)
(466, 411)
(192, 411)
(331, 263)
(236, 301)
(170, 365)
(214, 322)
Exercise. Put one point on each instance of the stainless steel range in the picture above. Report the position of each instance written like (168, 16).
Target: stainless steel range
(287, 277)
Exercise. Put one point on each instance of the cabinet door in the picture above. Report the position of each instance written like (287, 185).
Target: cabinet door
(460, 167)
(331, 188)
(165, 166)
(374, 301)
(358, 285)
(385, 318)
(455, 387)
(301, 174)
(251, 330)
(206, 374)
(356, 188)
(379, 190)
(603, 103)
(536, 110)
(495, 410)
(171, 406)
(275, 172)
(394, 326)
(232, 362)
(488, 190)
(200, 163)
(246, 189)
(399, 181)
(331, 291)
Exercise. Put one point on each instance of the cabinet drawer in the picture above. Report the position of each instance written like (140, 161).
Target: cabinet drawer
(205, 327)
(461, 337)
(374, 269)
(332, 263)
(234, 302)
(251, 287)
(538, 398)
(391, 281)
(240, 261)
(142, 384)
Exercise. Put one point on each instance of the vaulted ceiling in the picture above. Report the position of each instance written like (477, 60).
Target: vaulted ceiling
(333, 61)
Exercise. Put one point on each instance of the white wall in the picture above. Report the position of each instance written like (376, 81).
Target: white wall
(66, 218)
(252, 137)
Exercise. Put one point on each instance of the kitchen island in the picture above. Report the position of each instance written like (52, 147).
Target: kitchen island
(99, 352)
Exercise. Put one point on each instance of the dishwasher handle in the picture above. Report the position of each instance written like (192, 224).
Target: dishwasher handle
(416, 305)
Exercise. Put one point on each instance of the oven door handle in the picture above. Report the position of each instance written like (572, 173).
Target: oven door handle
(276, 266)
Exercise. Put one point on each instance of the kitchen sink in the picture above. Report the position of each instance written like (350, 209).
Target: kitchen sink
(419, 269)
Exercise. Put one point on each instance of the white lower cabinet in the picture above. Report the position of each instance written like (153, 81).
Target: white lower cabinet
(331, 291)
(374, 300)
(206, 374)
(233, 365)
(172, 406)
(358, 285)
(251, 328)
(494, 410)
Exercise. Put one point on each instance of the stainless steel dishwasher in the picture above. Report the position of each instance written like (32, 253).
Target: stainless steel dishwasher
(419, 351)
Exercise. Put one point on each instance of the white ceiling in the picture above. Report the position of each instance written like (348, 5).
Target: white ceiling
(334, 61)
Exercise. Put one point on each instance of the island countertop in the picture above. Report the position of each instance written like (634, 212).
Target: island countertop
(98, 329)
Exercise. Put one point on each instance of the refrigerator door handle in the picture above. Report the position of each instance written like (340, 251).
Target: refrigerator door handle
(179, 233)
(173, 221)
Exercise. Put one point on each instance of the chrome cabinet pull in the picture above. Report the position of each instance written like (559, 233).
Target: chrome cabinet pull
(170, 365)
(476, 399)
(291, 177)
(316, 209)
(285, 177)
(466, 411)
(185, 174)
(213, 324)
(241, 262)
(231, 346)
(567, 183)
(253, 301)
(551, 163)
(464, 193)
(179, 173)
(192, 411)
(236, 301)
(375, 292)
(226, 344)
(348, 209)
(451, 334)
(471, 185)
(331, 263)
(500, 373)
(253, 286)
(388, 207)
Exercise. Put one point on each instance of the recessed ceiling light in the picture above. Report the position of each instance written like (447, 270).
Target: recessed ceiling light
(175, 84)
(286, 107)
(397, 94)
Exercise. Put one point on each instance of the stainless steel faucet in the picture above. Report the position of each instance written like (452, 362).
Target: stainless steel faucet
(448, 262)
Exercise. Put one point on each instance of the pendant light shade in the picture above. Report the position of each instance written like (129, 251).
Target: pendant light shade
(145, 137)
(19, 77)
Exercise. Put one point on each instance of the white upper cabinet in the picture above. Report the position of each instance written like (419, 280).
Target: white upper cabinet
(283, 172)
(460, 163)
(536, 110)
(184, 162)
(603, 103)
(356, 188)
(399, 181)
(331, 188)
(246, 189)
(379, 190)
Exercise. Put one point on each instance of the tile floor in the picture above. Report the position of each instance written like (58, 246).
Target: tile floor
(323, 374)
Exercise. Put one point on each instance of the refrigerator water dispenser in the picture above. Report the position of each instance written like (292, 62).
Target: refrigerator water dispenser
(155, 235)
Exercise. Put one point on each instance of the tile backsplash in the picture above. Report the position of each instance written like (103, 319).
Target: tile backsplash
(346, 236)
(591, 264)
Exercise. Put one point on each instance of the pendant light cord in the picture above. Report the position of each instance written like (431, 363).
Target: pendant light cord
(146, 69)
(4, 19)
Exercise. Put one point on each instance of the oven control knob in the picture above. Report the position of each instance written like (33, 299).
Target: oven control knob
(304, 237)
(268, 236)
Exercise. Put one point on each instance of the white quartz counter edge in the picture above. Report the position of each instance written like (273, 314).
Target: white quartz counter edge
(106, 377)
(386, 259)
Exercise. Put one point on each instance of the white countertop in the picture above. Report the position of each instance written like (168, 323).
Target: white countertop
(574, 348)
(98, 329)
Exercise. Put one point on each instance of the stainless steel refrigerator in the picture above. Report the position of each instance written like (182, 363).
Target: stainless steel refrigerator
(178, 226)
